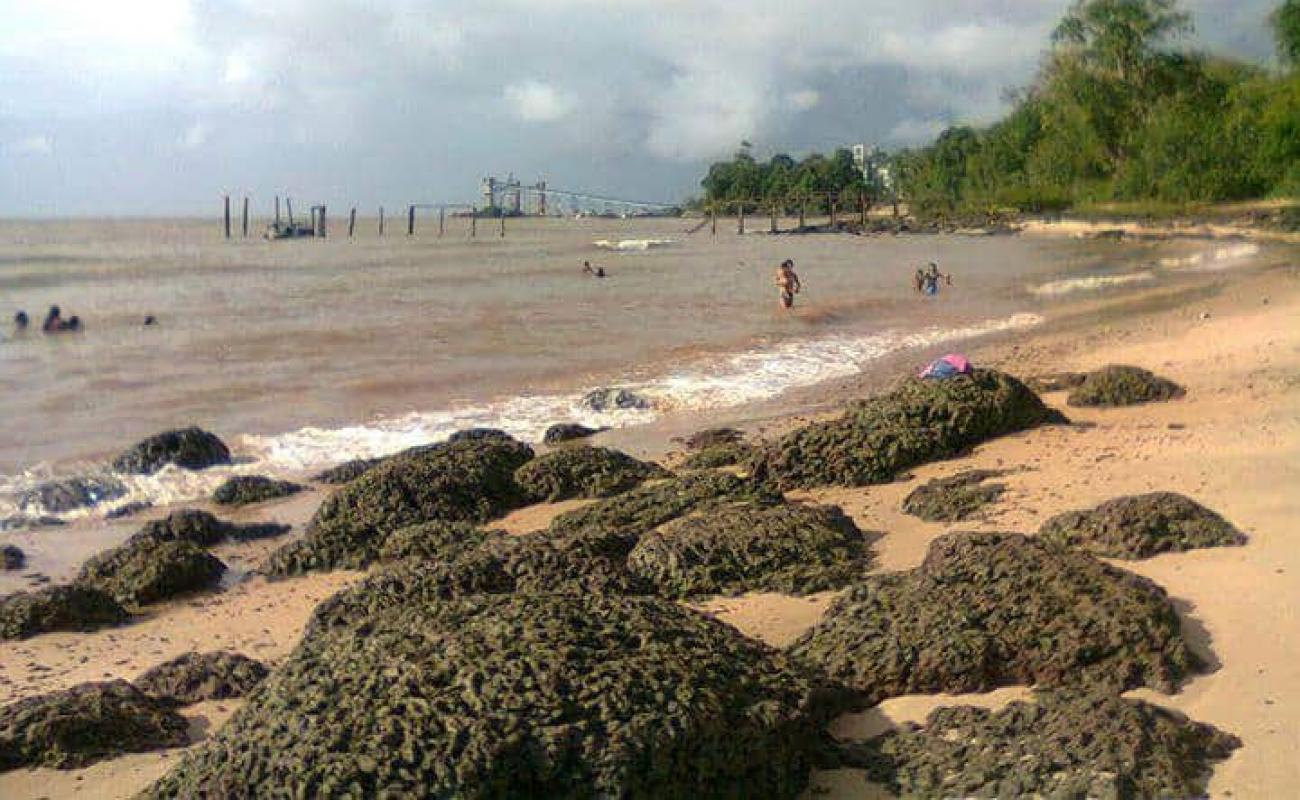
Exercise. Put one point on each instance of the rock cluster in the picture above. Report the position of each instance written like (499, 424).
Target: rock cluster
(191, 448)
(1064, 744)
(954, 498)
(740, 547)
(57, 608)
(194, 677)
(243, 490)
(464, 480)
(147, 570)
(614, 399)
(562, 695)
(203, 529)
(84, 724)
(1141, 526)
(989, 610)
(583, 472)
(918, 421)
(1122, 385)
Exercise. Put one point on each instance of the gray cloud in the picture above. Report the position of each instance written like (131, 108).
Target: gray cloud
(129, 108)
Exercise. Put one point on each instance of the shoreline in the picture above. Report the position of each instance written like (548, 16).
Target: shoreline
(1235, 344)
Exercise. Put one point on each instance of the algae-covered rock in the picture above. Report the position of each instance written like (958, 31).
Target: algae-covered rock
(1142, 526)
(920, 420)
(954, 498)
(583, 472)
(69, 494)
(145, 571)
(57, 608)
(564, 695)
(1064, 744)
(431, 541)
(203, 529)
(1122, 385)
(194, 677)
(741, 547)
(243, 490)
(85, 724)
(567, 432)
(713, 437)
(191, 448)
(346, 472)
(128, 509)
(992, 609)
(469, 480)
(719, 455)
(1055, 381)
(12, 557)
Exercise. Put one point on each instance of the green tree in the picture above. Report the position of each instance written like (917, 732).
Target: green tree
(1286, 27)
(1120, 37)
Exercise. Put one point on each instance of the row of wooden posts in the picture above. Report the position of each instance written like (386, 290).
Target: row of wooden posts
(318, 225)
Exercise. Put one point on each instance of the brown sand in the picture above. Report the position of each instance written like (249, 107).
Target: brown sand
(1233, 443)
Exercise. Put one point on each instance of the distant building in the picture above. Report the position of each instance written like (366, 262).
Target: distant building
(874, 166)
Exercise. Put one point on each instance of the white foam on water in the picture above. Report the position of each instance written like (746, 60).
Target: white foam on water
(710, 383)
(1090, 283)
(634, 245)
(1214, 258)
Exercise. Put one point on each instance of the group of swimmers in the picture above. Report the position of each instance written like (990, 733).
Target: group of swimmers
(54, 322)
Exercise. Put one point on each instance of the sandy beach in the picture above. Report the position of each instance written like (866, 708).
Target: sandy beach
(1233, 444)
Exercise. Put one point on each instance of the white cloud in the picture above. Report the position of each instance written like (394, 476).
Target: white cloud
(804, 99)
(534, 101)
(195, 136)
(37, 145)
(917, 131)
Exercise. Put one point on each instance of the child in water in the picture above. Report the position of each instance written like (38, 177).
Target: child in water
(787, 282)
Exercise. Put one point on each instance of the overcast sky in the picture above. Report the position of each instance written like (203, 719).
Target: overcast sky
(137, 107)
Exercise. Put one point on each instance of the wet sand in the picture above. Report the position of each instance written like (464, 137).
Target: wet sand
(1233, 444)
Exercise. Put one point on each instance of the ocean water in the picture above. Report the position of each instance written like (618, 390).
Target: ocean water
(302, 354)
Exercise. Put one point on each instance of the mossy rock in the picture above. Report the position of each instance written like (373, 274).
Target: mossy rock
(1055, 381)
(1122, 385)
(920, 420)
(12, 557)
(243, 490)
(991, 609)
(203, 529)
(1063, 744)
(69, 494)
(87, 723)
(431, 541)
(194, 677)
(468, 480)
(583, 472)
(568, 431)
(562, 695)
(954, 498)
(191, 448)
(719, 455)
(58, 608)
(744, 547)
(346, 472)
(713, 437)
(147, 571)
(1141, 526)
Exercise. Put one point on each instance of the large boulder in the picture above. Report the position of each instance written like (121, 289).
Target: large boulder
(1142, 526)
(145, 571)
(243, 490)
(469, 480)
(11, 557)
(1122, 385)
(346, 472)
(567, 432)
(203, 529)
(920, 420)
(742, 547)
(956, 497)
(583, 472)
(1063, 744)
(991, 609)
(563, 695)
(70, 494)
(57, 608)
(191, 448)
(194, 677)
(713, 437)
(85, 724)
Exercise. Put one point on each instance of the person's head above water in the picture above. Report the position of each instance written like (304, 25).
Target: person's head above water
(53, 313)
(20, 319)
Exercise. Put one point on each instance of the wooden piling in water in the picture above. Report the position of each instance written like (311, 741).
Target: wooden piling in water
(473, 223)
(803, 207)
(503, 225)
(288, 204)
(442, 221)
(772, 227)
(277, 211)
(740, 220)
(713, 221)
(381, 220)
(410, 221)
(865, 207)
(322, 222)
(834, 204)
(227, 216)
(244, 219)
(352, 221)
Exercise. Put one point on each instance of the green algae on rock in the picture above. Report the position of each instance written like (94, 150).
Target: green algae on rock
(1123, 385)
(954, 498)
(468, 480)
(85, 724)
(583, 472)
(919, 420)
(713, 437)
(58, 608)
(431, 541)
(1141, 526)
(202, 529)
(1064, 744)
(145, 571)
(741, 547)
(191, 448)
(194, 677)
(346, 472)
(719, 455)
(993, 609)
(563, 695)
(242, 490)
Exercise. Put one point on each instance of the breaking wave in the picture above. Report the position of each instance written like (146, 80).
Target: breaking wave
(1088, 284)
(632, 245)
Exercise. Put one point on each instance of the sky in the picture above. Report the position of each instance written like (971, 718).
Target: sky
(134, 107)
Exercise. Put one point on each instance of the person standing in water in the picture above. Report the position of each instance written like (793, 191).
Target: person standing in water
(931, 280)
(787, 282)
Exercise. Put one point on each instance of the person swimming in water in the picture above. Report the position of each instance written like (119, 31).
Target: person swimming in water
(20, 321)
(55, 323)
(787, 282)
